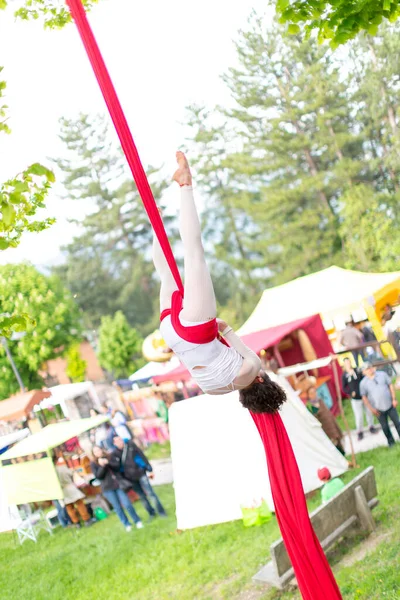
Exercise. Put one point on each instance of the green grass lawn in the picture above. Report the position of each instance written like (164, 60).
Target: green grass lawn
(376, 576)
(156, 563)
(156, 451)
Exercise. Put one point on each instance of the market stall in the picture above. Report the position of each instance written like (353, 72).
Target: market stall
(28, 472)
(299, 371)
(334, 293)
(147, 409)
(74, 399)
(6, 441)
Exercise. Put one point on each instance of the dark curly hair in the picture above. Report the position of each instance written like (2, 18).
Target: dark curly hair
(263, 396)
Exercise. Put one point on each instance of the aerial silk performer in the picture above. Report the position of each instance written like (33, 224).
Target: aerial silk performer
(214, 355)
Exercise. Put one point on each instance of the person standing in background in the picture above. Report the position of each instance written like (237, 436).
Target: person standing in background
(319, 409)
(133, 465)
(388, 313)
(112, 490)
(162, 409)
(379, 397)
(119, 422)
(351, 337)
(62, 514)
(98, 436)
(73, 497)
(351, 380)
(367, 331)
(391, 328)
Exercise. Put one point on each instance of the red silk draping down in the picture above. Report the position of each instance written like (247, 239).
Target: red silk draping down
(124, 133)
(313, 573)
(312, 570)
(196, 334)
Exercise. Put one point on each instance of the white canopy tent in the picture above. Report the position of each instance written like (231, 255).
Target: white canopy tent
(60, 394)
(333, 293)
(35, 480)
(13, 438)
(8, 514)
(303, 367)
(219, 462)
(154, 368)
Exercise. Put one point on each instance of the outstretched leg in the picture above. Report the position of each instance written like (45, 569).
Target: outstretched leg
(168, 284)
(199, 302)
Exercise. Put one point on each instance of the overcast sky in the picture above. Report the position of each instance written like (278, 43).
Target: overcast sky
(161, 55)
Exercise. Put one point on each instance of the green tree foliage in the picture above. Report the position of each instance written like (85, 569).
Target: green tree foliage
(53, 13)
(286, 170)
(370, 229)
(76, 366)
(281, 172)
(120, 346)
(375, 77)
(336, 20)
(108, 267)
(20, 198)
(22, 195)
(56, 323)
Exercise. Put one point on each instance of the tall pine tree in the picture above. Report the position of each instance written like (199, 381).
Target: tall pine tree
(303, 160)
(108, 267)
(292, 152)
(371, 215)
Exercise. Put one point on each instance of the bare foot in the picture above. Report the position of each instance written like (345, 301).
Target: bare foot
(182, 175)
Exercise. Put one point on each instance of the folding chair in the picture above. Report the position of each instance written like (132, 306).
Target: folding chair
(28, 528)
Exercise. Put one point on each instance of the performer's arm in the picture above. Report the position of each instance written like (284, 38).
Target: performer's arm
(251, 362)
(236, 343)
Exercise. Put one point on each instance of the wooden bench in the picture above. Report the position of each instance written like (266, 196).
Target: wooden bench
(351, 506)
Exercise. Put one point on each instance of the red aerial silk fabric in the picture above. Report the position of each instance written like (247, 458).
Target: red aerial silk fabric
(196, 334)
(313, 573)
(312, 570)
(124, 134)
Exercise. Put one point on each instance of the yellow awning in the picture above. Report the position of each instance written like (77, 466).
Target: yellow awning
(52, 436)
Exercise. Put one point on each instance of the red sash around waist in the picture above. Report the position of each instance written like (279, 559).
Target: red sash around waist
(196, 334)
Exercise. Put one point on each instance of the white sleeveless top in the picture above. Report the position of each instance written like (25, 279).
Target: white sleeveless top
(221, 363)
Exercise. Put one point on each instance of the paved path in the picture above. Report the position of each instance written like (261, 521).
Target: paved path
(370, 441)
(162, 471)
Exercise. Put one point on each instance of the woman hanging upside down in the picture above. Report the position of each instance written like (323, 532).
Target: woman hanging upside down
(217, 367)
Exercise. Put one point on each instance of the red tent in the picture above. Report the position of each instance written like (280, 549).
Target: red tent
(268, 338)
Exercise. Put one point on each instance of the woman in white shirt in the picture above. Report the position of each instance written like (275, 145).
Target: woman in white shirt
(218, 368)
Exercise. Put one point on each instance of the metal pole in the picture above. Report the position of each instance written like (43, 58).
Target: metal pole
(13, 365)
(339, 397)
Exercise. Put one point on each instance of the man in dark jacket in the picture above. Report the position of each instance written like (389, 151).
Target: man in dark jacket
(132, 464)
(351, 380)
(111, 489)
